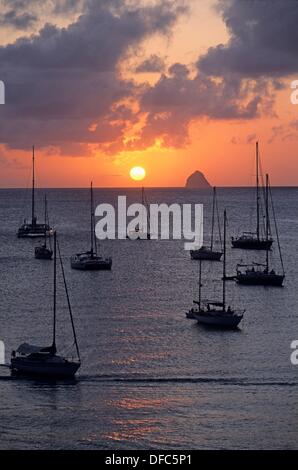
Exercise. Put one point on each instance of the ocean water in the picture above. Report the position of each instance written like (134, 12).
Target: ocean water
(150, 378)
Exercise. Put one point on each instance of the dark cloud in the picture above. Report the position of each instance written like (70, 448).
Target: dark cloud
(177, 99)
(263, 42)
(63, 85)
(17, 20)
(154, 64)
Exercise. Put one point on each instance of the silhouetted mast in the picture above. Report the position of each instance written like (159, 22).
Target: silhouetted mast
(224, 264)
(55, 293)
(257, 186)
(33, 188)
(267, 221)
(91, 218)
(213, 213)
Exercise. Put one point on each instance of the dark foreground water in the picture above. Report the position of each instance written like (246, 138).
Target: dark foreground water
(149, 378)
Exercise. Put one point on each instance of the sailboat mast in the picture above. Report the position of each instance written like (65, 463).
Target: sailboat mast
(55, 291)
(45, 220)
(68, 303)
(200, 283)
(258, 190)
(267, 221)
(213, 209)
(224, 264)
(91, 218)
(33, 186)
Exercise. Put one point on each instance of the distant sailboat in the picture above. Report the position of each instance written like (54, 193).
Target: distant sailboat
(33, 229)
(91, 260)
(254, 240)
(257, 273)
(139, 233)
(44, 251)
(216, 313)
(44, 361)
(206, 253)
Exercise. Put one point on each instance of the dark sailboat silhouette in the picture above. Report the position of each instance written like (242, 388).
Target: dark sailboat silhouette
(44, 251)
(44, 361)
(258, 273)
(91, 260)
(33, 229)
(139, 233)
(254, 240)
(206, 253)
(216, 313)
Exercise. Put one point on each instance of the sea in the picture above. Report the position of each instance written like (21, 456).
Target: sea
(150, 378)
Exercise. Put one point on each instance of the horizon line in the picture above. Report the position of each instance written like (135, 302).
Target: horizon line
(143, 186)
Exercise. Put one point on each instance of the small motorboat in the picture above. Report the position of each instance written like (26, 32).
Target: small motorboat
(34, 361)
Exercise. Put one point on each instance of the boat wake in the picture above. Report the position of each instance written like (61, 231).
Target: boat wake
(184, 380)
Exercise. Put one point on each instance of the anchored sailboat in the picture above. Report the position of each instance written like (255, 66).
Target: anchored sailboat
(44, 361)
(257, 273)
(206, 253)
(139, 233)
(254, 240)
(216, 313)
(33, 229)
(44, 251)
(91, 260)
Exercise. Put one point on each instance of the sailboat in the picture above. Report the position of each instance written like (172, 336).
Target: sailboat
(44, 251)
(44, 361)
(206, 253)
(216, 313)
(139, 233)
(91, 260)
(254, 240)
(33, 229)
(257, 273)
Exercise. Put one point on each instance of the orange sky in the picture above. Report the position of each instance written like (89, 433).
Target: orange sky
(222, 149)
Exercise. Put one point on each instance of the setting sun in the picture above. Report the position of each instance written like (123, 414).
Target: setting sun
(137, 173)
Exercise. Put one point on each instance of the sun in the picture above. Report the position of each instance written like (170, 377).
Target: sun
(137, 173)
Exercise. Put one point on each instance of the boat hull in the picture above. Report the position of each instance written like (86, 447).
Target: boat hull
(103, 265)
(46, 369)
(252, 244)
(139, 236)
(219, 321)
(261, 279)
(43, 253)
(207, 255)
(34, 231)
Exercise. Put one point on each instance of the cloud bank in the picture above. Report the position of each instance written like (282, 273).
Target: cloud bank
(64, 89)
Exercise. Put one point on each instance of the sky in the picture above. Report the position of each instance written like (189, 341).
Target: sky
(174, 86)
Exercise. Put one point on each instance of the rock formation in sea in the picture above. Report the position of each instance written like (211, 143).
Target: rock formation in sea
(197, 181)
